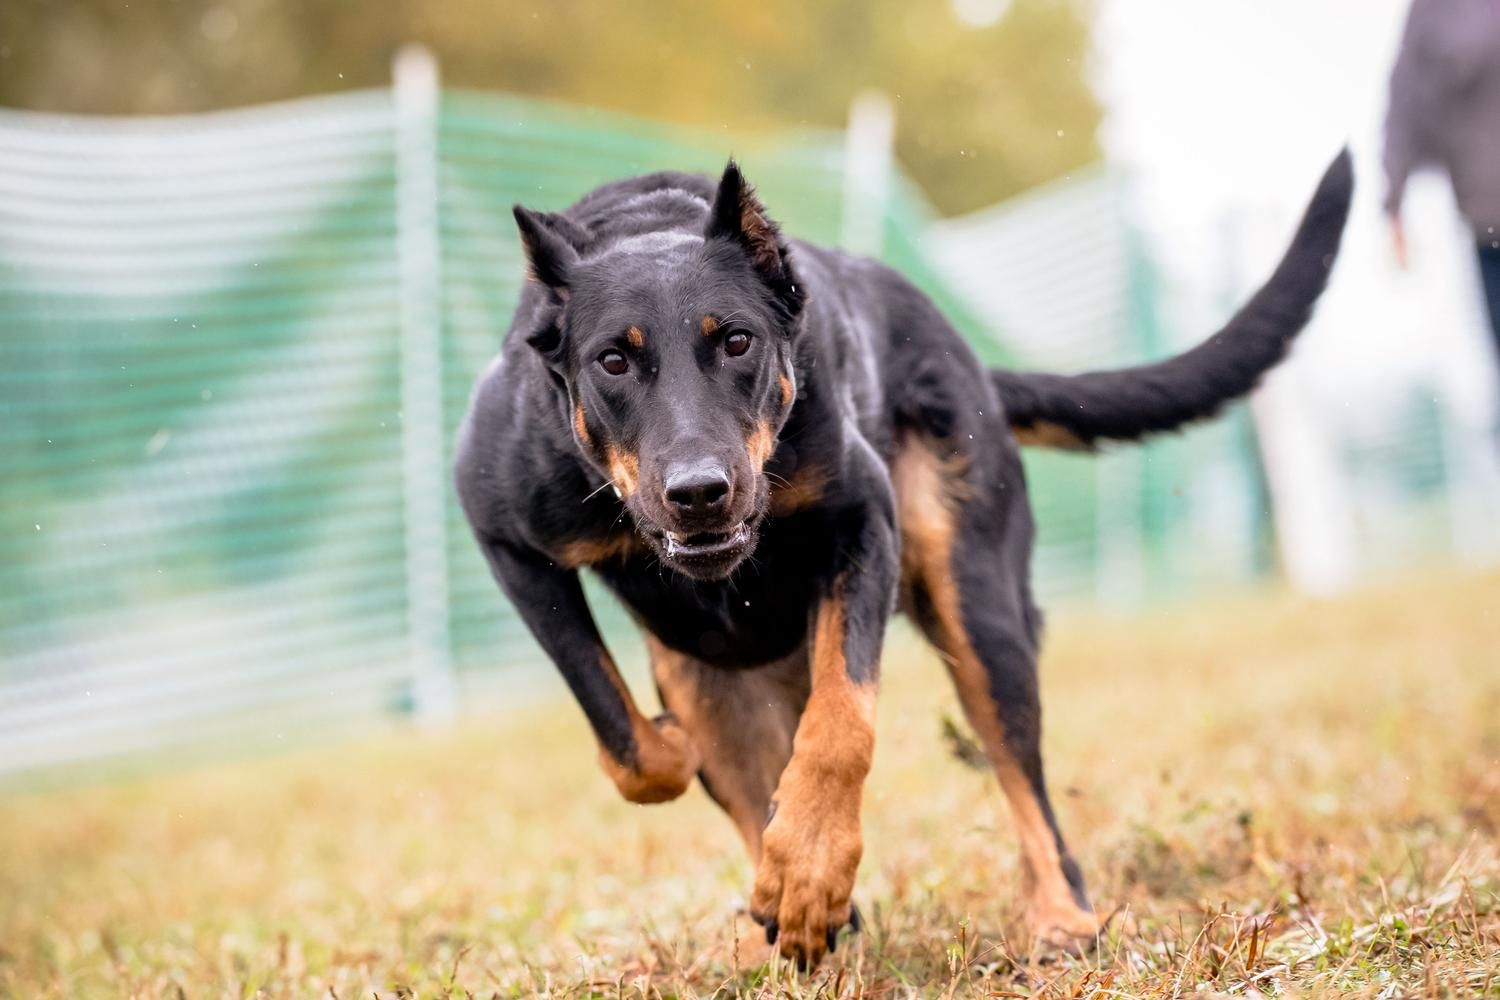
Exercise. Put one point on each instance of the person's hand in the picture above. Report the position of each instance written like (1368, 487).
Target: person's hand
(1398, 242)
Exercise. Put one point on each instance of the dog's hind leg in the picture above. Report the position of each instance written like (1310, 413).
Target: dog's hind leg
(966, 540)
(742, 722)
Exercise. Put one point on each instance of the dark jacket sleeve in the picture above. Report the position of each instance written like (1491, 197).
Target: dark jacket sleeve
(1408, 140)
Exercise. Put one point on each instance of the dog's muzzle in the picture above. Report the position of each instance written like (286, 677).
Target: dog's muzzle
(706, 544)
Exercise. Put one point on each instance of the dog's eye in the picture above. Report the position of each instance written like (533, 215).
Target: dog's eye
(614, 362)
(736, 344)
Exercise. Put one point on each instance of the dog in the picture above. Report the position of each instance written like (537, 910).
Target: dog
(764, 448)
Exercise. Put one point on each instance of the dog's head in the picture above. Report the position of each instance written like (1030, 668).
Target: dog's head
(675, 352)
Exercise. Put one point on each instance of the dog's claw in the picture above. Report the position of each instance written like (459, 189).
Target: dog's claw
(773, 929)
(855, 924)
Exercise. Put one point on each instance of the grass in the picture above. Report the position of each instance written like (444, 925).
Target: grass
(1279, 796)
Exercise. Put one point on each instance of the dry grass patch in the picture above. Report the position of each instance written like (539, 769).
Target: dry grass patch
(1277, 796)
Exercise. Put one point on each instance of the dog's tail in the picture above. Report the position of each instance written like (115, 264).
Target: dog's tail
(1078, 411)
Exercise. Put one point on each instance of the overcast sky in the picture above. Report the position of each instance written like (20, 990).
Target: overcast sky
(1225, 114)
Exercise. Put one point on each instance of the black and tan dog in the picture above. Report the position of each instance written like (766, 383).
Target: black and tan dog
(764, 447)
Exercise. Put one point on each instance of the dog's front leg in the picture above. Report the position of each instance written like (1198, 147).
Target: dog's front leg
(648, 760)
(812, 842)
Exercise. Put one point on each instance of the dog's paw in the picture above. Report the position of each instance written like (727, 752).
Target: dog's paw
(666, 762)
(746, 947)
(804, 880)
(1065, 930)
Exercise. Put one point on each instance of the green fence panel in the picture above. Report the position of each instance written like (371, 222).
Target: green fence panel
(217, 399)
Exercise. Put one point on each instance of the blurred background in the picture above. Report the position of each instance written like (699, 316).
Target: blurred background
(253, 254)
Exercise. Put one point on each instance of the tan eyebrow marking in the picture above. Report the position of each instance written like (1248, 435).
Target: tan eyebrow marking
(636, 336)
(708, 325)
(786, 390)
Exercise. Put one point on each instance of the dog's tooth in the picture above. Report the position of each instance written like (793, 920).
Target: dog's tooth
(671, 536)
(618, 494)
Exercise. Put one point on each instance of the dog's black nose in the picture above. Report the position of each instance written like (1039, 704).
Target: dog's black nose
(697, 490)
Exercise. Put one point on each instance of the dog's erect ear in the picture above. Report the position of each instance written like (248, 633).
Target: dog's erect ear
(549, 254)
(738, 215)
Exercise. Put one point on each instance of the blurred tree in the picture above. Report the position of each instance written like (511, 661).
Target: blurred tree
(991, 96)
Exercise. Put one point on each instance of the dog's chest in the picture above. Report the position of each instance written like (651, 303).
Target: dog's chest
(757, 616)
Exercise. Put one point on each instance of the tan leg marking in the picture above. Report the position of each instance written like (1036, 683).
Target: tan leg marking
(928, 491)
(666, 760)
(741, 723)
(812, 846)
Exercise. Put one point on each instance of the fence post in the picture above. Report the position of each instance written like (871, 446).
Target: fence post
(868, 145)
(423, 454)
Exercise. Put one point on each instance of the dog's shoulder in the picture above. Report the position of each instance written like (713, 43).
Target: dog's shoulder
(514, 467)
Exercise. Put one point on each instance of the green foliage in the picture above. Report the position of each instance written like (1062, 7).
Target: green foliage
(982, 112)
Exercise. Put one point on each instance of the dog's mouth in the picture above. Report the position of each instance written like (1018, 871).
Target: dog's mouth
(706, 543)
(706, 554)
